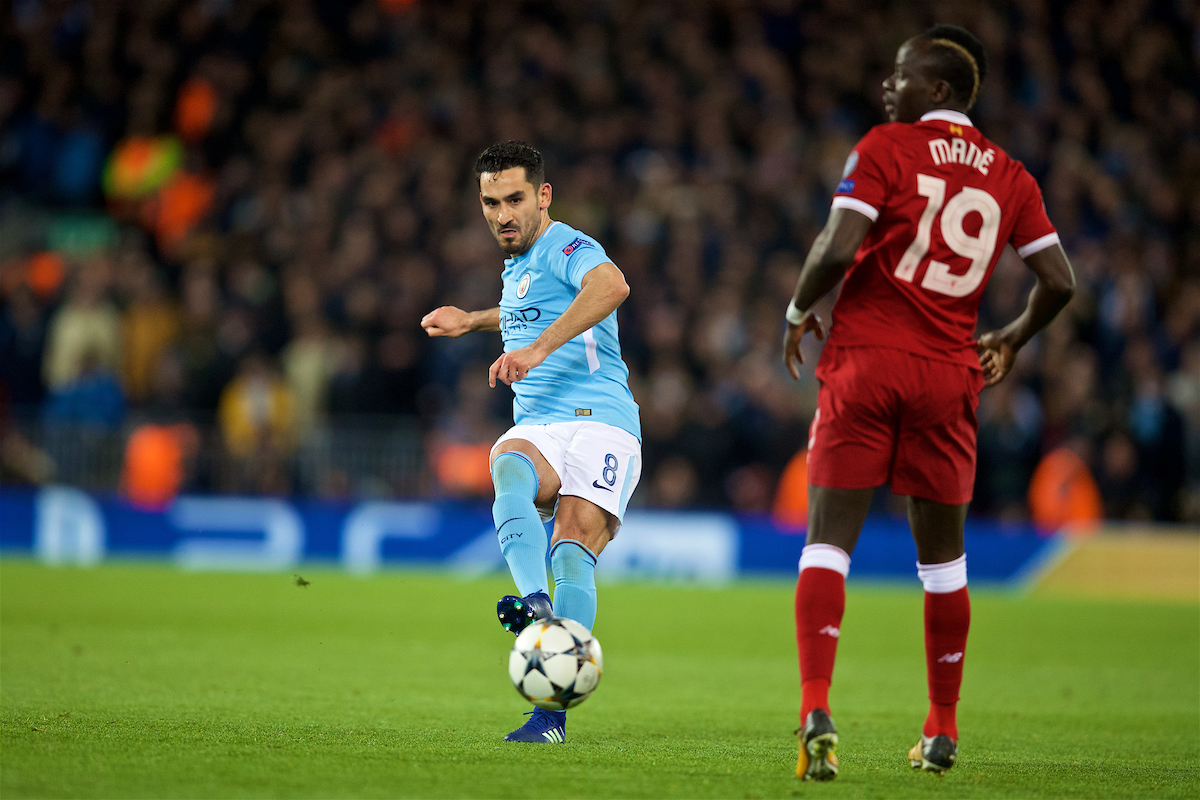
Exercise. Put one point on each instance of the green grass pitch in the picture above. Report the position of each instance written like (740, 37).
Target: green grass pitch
(137, 680)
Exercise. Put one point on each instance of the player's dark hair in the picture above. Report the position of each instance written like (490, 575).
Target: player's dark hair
(506, 155)
(959, 59)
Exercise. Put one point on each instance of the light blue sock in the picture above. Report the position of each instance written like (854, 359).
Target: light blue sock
(574, 569)
(518, 526)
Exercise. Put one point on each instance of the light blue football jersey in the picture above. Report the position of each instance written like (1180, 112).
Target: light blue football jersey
(585, 379)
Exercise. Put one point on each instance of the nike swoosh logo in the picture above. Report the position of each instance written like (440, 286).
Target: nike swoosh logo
(598, 486)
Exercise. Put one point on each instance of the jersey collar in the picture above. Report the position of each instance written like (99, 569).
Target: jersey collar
(947, 115)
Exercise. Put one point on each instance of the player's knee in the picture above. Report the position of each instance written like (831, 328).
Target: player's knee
(514, 474)
(585, 522)
(944, 577)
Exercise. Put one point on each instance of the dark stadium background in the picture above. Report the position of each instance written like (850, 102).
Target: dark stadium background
(221, 221)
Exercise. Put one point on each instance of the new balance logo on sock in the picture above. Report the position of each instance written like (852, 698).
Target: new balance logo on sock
(553, 735)
(950, 658)
(829, 630)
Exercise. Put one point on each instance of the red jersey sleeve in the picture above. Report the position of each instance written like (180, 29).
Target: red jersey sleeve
(1032, 229)
(868, 176)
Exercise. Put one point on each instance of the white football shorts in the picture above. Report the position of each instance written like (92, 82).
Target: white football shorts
(598, 462)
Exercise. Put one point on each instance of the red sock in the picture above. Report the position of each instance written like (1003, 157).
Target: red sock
(820, 602)
(947, 618)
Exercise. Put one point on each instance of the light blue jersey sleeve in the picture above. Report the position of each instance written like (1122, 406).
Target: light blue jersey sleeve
(570, 263)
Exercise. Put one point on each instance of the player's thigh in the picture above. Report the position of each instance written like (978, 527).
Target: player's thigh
(836, 516)
(603, 466)
(937, 528)
(852, 439)
(544, 450)
(936, 445)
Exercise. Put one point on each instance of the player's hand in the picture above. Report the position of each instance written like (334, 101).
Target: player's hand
(446, 321)
(996, 356)
(514, 366)
(792, 357)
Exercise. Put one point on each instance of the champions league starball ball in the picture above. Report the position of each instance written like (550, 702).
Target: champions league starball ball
(555, 663)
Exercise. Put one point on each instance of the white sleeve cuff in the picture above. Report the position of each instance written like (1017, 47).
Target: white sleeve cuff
(866, 209)
(1036, 245)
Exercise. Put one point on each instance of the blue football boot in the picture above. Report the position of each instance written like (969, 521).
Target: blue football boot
(516, 613)
(542, 727)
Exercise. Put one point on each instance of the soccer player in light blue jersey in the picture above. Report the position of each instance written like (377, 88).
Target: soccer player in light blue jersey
(574, 452)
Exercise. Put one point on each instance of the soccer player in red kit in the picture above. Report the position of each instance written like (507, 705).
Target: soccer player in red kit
(918, 222)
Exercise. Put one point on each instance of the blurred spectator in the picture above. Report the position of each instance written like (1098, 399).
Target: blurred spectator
(673, 484)
(791, 497)
(45, 275)
(155, 464)
(1063, 493)
(309, 361)
(354, 385)
(1183, 388)
(22, 340)
(150, 326)
(86, 326)
(460, 444)
(140, 165)
(1010, 427)
(183, 201)
(1157, 431)
(256, 411)
(1119, 479)
(21, 461)
(464, 470)
(195, 109)
(92, 398)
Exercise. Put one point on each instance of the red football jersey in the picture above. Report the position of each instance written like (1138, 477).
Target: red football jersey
(944, 201)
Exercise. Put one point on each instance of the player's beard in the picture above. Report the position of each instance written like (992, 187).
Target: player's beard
(518, 244)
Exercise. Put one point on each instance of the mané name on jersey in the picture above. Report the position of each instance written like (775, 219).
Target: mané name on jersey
(585, 379)
(944, 201)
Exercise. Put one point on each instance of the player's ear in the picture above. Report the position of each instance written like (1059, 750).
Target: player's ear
(939, 92)
(545, 193)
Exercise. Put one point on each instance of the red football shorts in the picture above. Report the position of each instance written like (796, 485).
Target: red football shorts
(888, 416)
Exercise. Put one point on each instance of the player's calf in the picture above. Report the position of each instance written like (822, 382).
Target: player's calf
(574, 568)
(518, 525)
(947, 622)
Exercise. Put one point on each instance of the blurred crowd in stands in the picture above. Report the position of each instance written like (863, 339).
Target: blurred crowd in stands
(286, 188)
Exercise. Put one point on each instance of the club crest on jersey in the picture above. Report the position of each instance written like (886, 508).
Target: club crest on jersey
(523, 286)
(576, 245)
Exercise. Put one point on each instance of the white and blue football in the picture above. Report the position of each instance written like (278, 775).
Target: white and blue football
(555, 663)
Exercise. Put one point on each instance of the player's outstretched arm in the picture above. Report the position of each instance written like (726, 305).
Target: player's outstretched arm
(830, 257)
(603, 290)
(1053, 290)
(453, 322)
